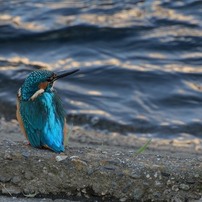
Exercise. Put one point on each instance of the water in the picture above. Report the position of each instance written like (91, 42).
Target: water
(140, 61)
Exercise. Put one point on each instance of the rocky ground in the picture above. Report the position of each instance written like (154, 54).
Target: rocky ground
(99, 167)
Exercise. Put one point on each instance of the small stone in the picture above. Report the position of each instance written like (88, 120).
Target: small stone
(138, 193)
(155, 174)
(158, 183)
(136, 175)
(175, 188)
(84, 191)
(184, 187)
(16, 179)
(26, 154)
(157, 195)
(29, 175)
(104, 193)
(123, 199)
(45, 170)
(166, 192)
(5, 178)
(60, 158)
(79, 164)
(169, 182)
(74, 157)
(7, 155)
(196, 175)
(164, 174)
(90, 171)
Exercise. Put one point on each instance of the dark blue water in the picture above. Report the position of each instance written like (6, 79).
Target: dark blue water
(140, 61)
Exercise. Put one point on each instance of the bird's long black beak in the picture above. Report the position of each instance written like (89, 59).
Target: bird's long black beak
(65, 74)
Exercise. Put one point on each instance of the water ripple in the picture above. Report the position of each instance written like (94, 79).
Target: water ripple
(140, 61)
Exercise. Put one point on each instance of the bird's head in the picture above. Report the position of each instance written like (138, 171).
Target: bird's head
(38, 82)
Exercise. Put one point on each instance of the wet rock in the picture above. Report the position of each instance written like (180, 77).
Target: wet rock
(60, 158)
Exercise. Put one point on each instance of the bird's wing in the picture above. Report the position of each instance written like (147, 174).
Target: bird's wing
(44, 120)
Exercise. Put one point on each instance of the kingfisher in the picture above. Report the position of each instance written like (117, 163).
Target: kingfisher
(40, 112)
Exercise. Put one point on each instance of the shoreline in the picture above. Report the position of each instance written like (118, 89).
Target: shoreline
(102, 167)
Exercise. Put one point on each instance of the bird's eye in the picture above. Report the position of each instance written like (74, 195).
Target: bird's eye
(51, 78)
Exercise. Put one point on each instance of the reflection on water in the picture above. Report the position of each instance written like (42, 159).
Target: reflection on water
(140, 61)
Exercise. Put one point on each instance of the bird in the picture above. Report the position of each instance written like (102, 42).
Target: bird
(40, 111)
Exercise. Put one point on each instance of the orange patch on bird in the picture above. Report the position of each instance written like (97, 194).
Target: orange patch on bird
(43, 85)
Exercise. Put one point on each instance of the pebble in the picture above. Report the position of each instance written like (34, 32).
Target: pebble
(29, 175)
(16, 179)
(169, 182)
(196, 175)
(138, 193)
(7, 155)
(60, 158)
(74, 157)
(184, 187)
(158, 183)
(5, 178)
(90, 171)
(79, 164)
(175, 188)
(136, 175)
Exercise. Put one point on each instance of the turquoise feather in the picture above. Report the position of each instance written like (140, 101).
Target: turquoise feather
(31, 83)
(44, 120)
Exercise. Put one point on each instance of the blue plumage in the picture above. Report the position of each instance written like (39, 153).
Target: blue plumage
(40, 111)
